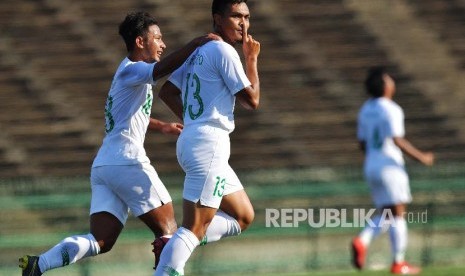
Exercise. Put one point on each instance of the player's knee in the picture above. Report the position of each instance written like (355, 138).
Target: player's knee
(246, 219)
(106, 245)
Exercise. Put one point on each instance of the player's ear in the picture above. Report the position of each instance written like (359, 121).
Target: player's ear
(139, 43)
(217, 20)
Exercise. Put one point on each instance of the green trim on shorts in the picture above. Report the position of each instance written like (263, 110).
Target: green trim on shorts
(171, 271)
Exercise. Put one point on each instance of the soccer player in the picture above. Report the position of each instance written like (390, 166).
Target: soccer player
(380, 132)
(122, 177)
(202, 92)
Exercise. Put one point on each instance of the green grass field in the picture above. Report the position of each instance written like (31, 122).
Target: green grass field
(57, 208)
(428, 271)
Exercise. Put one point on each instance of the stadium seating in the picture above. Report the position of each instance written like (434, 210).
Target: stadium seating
(57, 59)
(445, 18)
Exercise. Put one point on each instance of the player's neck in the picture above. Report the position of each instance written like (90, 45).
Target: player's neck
(135, 56)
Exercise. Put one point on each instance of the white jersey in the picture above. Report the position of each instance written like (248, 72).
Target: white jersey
(209, 80)
(379, 121)
(127, 115)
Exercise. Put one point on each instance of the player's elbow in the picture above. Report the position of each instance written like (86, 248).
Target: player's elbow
(250, 105)
(253, 104)
(249, 98)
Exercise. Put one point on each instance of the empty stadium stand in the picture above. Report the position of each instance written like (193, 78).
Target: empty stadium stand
(57, 59)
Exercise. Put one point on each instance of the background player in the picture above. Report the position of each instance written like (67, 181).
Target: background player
(202, 92)
(122, 177)
(381, 136)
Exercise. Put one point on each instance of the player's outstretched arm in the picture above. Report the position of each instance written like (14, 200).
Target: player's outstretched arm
(174, 60)
(427, 158)
(171, 96)
(249, 97)
(164, 127)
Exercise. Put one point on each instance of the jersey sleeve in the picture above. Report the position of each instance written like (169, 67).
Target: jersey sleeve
(138, 73)
(230, 67)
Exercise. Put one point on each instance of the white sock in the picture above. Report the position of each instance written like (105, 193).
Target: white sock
(399, 238)
(69, 251)
(371, 232)
(176, 253)
(221, 226)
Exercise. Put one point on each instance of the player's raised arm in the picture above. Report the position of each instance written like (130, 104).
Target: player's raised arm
(249, 97)
(174, 60)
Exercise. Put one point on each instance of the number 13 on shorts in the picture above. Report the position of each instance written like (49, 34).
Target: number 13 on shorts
(219, 186)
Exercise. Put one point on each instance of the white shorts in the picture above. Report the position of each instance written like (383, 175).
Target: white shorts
(118, 189)
(203, 153)
(389, 185)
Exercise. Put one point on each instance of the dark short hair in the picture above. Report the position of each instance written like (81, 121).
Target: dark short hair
(135, 24)
(220, 6)
(374, 83)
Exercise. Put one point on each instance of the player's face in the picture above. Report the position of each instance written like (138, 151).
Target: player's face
(234, 21)
(390, 85)
(153, 44)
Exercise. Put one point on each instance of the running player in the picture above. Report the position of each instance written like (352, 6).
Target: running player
(381, 136)
(202, 92)
(122, 177)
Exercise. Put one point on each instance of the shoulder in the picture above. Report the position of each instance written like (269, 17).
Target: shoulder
(219, 47)
(392, 110)
(128, 67)
(368, 104)
(137, 65)
(393, 106)
(134, 72)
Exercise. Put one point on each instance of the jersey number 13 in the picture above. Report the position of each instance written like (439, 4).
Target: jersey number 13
(192, 87)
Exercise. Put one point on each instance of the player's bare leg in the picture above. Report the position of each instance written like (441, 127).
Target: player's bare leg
(197, 217)
(235, 208)
(234, 216)
(238, 206)
(398, 210)
(160, 220)
(163, 225)
(106, 229)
